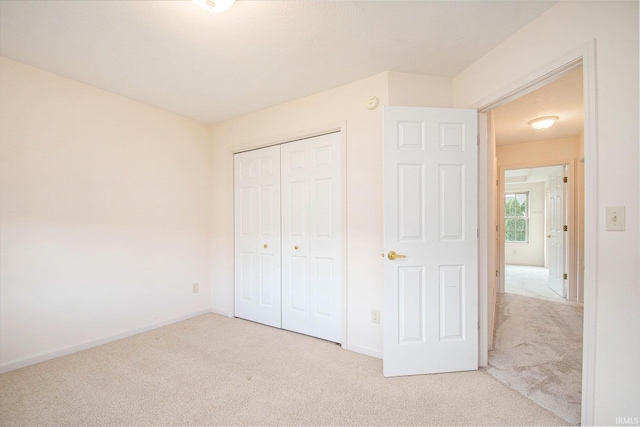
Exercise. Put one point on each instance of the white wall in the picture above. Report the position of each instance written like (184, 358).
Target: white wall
(545, 152)
(346, 106)
(104, 216)
(531, 252)
(417, 90)
(562, 29)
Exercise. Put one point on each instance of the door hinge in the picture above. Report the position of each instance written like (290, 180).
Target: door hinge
(564, 276)
(497, 273)
(497, 229)
(566, 228)
(497, 183)
(478, 233)
(565, 179)
(478, 140)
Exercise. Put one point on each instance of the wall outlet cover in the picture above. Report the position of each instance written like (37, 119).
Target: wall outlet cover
(615, 218)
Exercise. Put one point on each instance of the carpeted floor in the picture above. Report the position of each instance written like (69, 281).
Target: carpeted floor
(538, 343)
(212, 370)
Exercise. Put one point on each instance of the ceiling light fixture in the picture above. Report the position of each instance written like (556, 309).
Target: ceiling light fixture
(214, 5)
(543, 122)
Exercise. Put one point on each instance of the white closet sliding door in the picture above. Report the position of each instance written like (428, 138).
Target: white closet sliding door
(288, 261)
(257, 236)
(311, 237)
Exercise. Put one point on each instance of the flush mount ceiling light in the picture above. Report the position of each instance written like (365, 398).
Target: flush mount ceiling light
(543, 122)
(214, 5)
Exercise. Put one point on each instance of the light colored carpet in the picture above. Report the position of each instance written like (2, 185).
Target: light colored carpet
(212, 370)
(538, 343)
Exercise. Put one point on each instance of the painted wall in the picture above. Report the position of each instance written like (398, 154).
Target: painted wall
(545, 152)
(341, 106)
(564, 28)
(417, 90)
(531, 252)
(104, 216)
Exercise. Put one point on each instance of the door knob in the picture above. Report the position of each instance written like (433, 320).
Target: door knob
(265, 246)
(295, 247)
(548, 236)
(393, 256)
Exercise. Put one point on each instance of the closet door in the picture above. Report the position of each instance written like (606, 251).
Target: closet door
(311, 237)
(257, 235)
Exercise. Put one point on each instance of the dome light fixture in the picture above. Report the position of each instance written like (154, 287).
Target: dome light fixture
(214, 5)
(543, 122)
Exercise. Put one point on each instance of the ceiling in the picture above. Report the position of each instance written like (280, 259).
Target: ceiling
(213, 67)
(530, 175)
(562, 98)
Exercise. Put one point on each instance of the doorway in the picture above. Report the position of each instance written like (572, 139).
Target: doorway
(538, 208)
(537, 333)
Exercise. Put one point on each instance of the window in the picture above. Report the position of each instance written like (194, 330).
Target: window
(516, 217)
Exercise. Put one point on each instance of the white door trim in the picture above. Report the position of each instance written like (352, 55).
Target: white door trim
(296, 136)
(430, 195)
(585, 55)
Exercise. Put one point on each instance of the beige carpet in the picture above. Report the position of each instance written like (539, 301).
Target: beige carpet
(212, 370)
(538, 343)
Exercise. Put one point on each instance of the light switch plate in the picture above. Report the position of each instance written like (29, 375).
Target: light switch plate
(615, 218)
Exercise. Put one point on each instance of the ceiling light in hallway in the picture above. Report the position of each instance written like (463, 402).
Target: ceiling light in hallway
(543, 122)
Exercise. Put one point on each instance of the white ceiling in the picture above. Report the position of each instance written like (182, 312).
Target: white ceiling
(213, 67)
(562, 98)
(530, 175)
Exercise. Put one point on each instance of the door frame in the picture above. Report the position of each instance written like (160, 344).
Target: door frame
(585, 56)
(570, 249)
(297, 136)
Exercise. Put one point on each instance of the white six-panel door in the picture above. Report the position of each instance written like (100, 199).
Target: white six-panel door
(430, 223)
(257, 235)
(556, 231)
(311, 237)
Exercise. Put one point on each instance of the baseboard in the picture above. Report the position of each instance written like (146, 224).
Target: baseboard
(43, 357)
(224, 313)
(364, 350)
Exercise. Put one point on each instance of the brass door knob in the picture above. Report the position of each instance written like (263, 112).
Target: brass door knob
(265, 246)
(548, 236)
(393, 256)
(295, 247)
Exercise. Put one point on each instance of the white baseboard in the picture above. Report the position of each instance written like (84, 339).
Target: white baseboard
(27, 361)
(224, 313)
(364, 350)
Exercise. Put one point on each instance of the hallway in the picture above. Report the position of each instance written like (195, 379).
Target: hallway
(538, 342)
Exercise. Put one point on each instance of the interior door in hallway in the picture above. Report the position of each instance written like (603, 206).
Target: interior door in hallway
(430, 236)
(257, 235)
(311, 237)
(556, 232)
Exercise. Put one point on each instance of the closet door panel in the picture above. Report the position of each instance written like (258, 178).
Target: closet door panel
(311, 234)
(257, 236)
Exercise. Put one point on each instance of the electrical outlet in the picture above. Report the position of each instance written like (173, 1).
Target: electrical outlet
(194, 288)
(375, 316)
